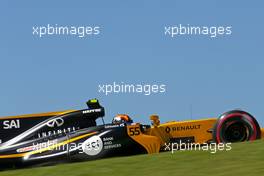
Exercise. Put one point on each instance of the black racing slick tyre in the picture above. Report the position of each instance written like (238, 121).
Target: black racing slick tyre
(236, 126)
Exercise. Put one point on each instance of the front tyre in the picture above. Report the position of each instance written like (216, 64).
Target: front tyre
(236, 126)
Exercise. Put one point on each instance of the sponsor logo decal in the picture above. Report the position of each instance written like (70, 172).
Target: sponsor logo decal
(37, 146)
(182, 128)
(59, 131)
(57, 122)
(92, 146)
(26, 149)
(167, 129)
(114, 126)
(108, 143)
(91, 111)
(11, 124)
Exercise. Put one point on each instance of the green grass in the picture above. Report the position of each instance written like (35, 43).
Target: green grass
(245, 159)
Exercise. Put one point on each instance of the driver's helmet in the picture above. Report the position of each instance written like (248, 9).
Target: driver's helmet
(122, 118)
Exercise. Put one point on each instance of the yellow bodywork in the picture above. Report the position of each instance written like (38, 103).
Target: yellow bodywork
(154, 138)
(199, 131)
(37, 115)
(150, 143)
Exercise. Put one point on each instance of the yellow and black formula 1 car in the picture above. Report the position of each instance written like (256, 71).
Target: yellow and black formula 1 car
(68, 136)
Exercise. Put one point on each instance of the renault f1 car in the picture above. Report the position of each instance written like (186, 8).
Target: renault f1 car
(73, 135)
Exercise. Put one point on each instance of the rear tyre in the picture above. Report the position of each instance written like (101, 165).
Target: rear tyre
(236, 126)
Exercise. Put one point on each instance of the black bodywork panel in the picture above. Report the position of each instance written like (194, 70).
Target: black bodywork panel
(73, 136)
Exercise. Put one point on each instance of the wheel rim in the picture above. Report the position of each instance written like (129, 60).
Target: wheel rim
(236, 132)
